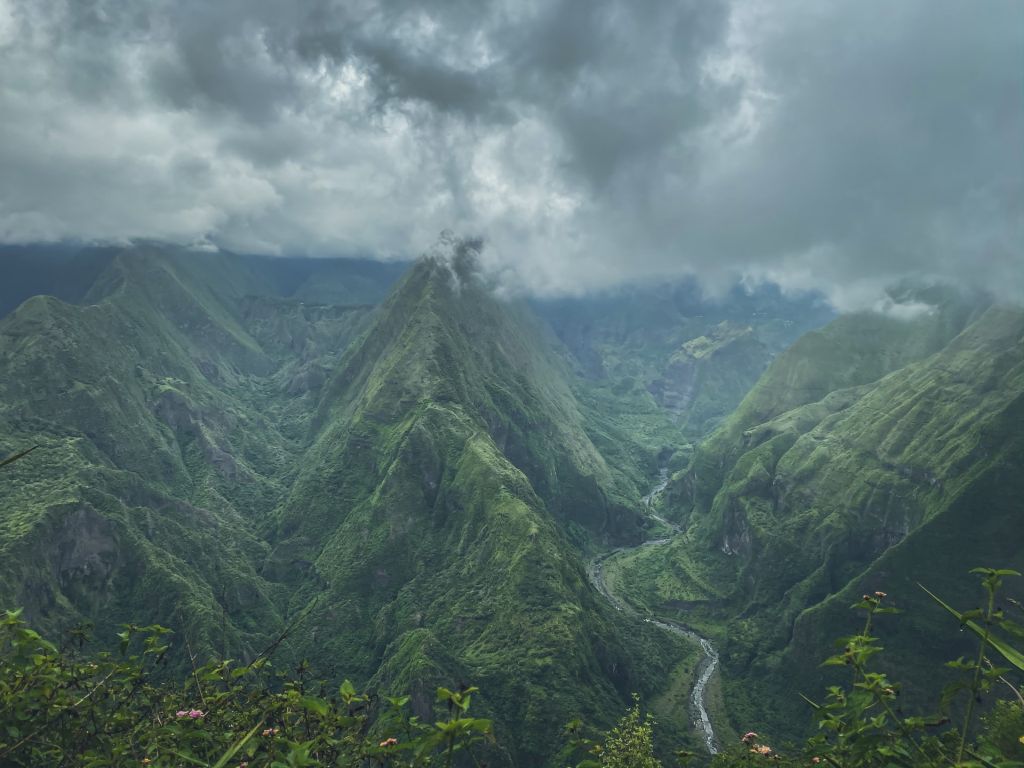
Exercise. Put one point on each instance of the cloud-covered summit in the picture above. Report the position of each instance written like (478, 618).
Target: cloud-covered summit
(838, 146)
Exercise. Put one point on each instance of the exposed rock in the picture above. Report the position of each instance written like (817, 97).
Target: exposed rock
(85, 555)
(174, 410)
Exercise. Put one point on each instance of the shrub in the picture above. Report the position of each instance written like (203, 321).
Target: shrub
(59, 707)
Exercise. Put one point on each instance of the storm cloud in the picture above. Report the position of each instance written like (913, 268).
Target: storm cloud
(836, 146)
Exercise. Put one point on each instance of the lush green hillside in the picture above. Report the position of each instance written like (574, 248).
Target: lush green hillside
(68, 271)
(219, 457)
(166, 408)
(833, 479)
(423, 471)
(436, 513)
(853, 350)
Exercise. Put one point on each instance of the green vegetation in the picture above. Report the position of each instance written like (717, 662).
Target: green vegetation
(871, 486)
(630, 744)
(443, 505)
(60, 706)
(863, 722)
(665, 365)
(226, 444)
(420, 477)
(169, 410)
(65, 704)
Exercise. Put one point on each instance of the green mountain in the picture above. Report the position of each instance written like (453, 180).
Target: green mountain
(436, 511)
(168, 410)
(64, 271)
(415, 479)
(872, 454)
(68, 271)
(434, 483)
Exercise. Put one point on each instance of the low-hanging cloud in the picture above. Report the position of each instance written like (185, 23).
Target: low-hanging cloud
(833, 146)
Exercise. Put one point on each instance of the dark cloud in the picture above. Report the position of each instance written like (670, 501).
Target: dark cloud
(839, 146)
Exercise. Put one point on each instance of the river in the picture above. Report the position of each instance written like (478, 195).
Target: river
(707, 665)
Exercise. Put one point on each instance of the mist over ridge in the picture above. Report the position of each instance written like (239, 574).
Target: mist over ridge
(837, 147)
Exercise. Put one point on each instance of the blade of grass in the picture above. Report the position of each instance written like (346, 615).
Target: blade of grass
(16, 456)
(1007, 651)
(238, 745)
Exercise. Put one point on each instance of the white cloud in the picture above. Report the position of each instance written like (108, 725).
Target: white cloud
(835, 146)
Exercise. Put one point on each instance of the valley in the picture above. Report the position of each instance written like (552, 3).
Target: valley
(563, 502)
(698, 709)
(570, 384)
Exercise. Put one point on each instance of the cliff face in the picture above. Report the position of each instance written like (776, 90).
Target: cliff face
(865, 476)
(690, 356)
(708, 375)
(802, 502)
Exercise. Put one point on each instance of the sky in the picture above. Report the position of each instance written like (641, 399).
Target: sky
(834, 146)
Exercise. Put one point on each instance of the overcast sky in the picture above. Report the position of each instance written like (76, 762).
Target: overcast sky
(831, 145)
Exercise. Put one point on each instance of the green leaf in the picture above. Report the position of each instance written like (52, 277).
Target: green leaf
(237, 746)
(315, 705)
(1008, 652)
(995, 571)
(190, 759)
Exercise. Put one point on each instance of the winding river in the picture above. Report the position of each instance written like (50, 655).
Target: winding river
(707, 665)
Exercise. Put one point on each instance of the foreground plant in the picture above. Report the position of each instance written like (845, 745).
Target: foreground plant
(61, 707)
(630, 744)
(58, 707)
(861, 726)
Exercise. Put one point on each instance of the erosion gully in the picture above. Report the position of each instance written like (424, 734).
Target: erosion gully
(707, 665)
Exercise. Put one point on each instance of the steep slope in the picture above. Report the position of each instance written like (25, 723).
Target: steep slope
(853, 350)
(219, 456)
(709, 373)
(159, 455)
(432, 518)
(874, 486)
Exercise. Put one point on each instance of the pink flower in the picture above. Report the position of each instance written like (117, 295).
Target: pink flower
(195, 714)
(181, 713)
(749, 737)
